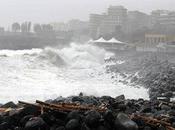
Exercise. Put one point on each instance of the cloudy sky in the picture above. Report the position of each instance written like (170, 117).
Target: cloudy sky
(62, 10)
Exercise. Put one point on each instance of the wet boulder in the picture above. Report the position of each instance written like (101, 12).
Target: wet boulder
(168, 94)
(109, 117)
(92, 119)
(25, 119)
(102, 128)
(74, 115)
(146, 108)
(49, 119)
(5, 126)
(122, 122)
(165, 107)
(77, 99)
(73, 125)
(9, 105)
(122, 107)
(120, 98)
(36, 123)
(147, 128)
(60, 128)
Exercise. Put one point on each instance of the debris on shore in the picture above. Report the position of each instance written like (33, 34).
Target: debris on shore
(89, 113)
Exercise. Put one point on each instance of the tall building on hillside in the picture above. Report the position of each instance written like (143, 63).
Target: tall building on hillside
(137, 20)
(94, 23)
(116, 18)
(60, 26)
(106, 24)
(77, 25)
(163, 17)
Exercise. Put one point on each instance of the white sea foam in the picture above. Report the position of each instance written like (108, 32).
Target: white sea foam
(48, 73)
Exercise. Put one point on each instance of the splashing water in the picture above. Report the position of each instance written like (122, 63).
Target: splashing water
(48, 73)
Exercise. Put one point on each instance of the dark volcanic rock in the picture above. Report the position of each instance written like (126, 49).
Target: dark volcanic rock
(9, 105)
(120, 114)
(60, 128)
(123, 122)
(92, 119)
(4, 126)
(120, 98)
(73, 125)
(36, 123)
(74, 115)
(109, 117)
(146, 108)
(25, 119)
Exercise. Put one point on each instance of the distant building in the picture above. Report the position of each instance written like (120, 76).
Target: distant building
(152, 40)
(95, 21)
(77, 25)
(72, 25)
(166, 47)
(116, 18)
(60, 26)
(163, 17)
(137, 20)
(105, 24)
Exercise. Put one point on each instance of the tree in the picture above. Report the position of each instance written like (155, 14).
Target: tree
(47, 28)
(29, 26)
(16, 27)
(24, 27)
(37, 28)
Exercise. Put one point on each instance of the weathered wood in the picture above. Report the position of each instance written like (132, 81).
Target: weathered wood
(70, 107)
(63, 106)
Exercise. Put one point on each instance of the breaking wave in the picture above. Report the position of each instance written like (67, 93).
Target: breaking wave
(51, 72)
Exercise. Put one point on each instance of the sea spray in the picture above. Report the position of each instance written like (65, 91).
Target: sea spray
(50, 72)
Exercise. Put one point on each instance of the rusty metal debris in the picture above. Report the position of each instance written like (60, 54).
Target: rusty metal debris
(3, 110)
(152, 121)
(64, 106)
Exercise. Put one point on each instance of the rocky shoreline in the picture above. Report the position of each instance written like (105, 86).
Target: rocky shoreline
(149, 71)
(89, 113)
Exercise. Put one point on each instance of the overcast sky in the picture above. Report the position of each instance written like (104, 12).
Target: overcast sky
(62, 10)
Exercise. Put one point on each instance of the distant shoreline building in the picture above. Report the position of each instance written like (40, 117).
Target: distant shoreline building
(163, 17)
(106, 24)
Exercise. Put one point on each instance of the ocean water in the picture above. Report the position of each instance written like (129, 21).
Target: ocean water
(48, 73)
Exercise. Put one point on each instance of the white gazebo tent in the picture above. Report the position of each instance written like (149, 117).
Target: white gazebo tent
(114, 43)
(100, 40)
(113, 40)
(110, 44)
(90, 41)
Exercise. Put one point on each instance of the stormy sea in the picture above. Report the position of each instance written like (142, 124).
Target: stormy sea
(51, 72)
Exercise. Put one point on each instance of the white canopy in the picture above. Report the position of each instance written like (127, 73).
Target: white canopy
(113, 40)
(100, 40)
(90, 41)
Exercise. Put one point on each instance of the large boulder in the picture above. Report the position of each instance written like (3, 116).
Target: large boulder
(73, 125)
(92, 119)
(5, 126)
(36, 123)
(146, 108)
(25, 119)
(122, 122)
(109, 117)
(60, 128)
(120, 98)
(9, 105)
(74, 115)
